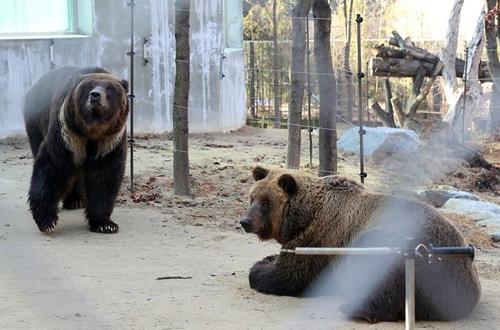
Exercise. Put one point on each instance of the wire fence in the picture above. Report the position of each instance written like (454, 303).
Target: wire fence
(260, 85)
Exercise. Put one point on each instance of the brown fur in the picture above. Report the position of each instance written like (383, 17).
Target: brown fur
(76, 123)
(299, 210)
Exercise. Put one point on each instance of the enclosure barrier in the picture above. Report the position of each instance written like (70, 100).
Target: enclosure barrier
(131, 95)
(362, 173)
(430, 253)
(309, 92)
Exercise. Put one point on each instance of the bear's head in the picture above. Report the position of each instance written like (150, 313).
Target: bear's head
(268, 199)
(97, 106)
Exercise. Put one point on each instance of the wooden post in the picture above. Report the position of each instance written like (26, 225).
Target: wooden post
(181, 97)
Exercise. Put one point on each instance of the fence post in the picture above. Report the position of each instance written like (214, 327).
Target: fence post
(309, 119)
(131, 95)
(362, 173)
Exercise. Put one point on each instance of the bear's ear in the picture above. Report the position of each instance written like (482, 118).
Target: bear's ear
(259, 173)
(288, 184)
(124, 84)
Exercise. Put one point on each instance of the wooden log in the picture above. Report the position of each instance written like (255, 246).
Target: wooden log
(421, 95)
(396, 105)
(389, 52)
(386, 118)
(412, 50)
(404, 68)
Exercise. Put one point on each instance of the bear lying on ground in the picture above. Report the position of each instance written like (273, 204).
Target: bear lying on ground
(303, 211)
(76, 124)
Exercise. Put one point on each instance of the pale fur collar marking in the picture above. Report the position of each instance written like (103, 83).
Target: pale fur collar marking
(109, 143)
(74, 143)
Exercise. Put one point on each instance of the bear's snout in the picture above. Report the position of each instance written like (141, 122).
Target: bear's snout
(94, 96)
(246, 224)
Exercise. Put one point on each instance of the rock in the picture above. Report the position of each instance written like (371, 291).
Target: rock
(495, 236)
(379, 139)
(483, 213)
(468, 206)
(440, 194)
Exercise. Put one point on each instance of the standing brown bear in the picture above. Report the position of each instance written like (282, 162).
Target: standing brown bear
(303, 211)
(76, 124)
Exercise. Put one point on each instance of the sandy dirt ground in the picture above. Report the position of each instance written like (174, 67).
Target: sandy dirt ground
(74, 279)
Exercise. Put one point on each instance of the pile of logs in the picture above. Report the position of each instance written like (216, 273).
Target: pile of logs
(405, 59)
(402, 58)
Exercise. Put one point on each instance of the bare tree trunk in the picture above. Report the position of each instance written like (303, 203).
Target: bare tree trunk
(181, 97)
(298, 81)
(448, 57)
(277, 98)
(347, 54)
(474, 89)
(456, 107)
(492, 35)
(327, 89)
(387, 116)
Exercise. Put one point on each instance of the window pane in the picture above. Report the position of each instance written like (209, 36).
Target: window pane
(234, 23)
(34, 16)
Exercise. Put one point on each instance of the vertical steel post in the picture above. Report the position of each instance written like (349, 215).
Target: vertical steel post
(309, 119)
(409, 255)
(410, 293)
(465, 92)
(131, 95)
(362, 173)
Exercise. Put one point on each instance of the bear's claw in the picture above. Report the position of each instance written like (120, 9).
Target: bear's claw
(108, 227)
(47, 227)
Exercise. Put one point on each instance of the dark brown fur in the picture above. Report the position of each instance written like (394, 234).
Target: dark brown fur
(298, 210)
(79, 144)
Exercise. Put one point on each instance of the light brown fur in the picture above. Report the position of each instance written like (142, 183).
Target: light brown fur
(302, 210)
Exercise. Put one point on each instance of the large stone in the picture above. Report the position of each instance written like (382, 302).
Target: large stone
(440, 194)
(483, 213)
(379, 139)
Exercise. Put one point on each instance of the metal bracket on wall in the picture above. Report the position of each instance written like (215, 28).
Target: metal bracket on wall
(222, 58)
(51, 54)
(147, 50)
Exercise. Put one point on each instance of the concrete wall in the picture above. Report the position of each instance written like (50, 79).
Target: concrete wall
(216, 103)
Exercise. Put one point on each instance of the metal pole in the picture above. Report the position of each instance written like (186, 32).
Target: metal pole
(343, 251)
(308, 52)
(410, 292)
(465, 92)
(362, 173)
(131, 95)
(409, 254)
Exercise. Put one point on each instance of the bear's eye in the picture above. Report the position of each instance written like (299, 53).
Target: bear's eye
(266, 203)
(110, 90)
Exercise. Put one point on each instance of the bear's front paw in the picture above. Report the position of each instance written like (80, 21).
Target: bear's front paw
(108, 227)
(47, 226)
(260, 274)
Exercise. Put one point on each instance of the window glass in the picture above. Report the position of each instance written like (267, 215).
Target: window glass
(35, 16)
(233, 23)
